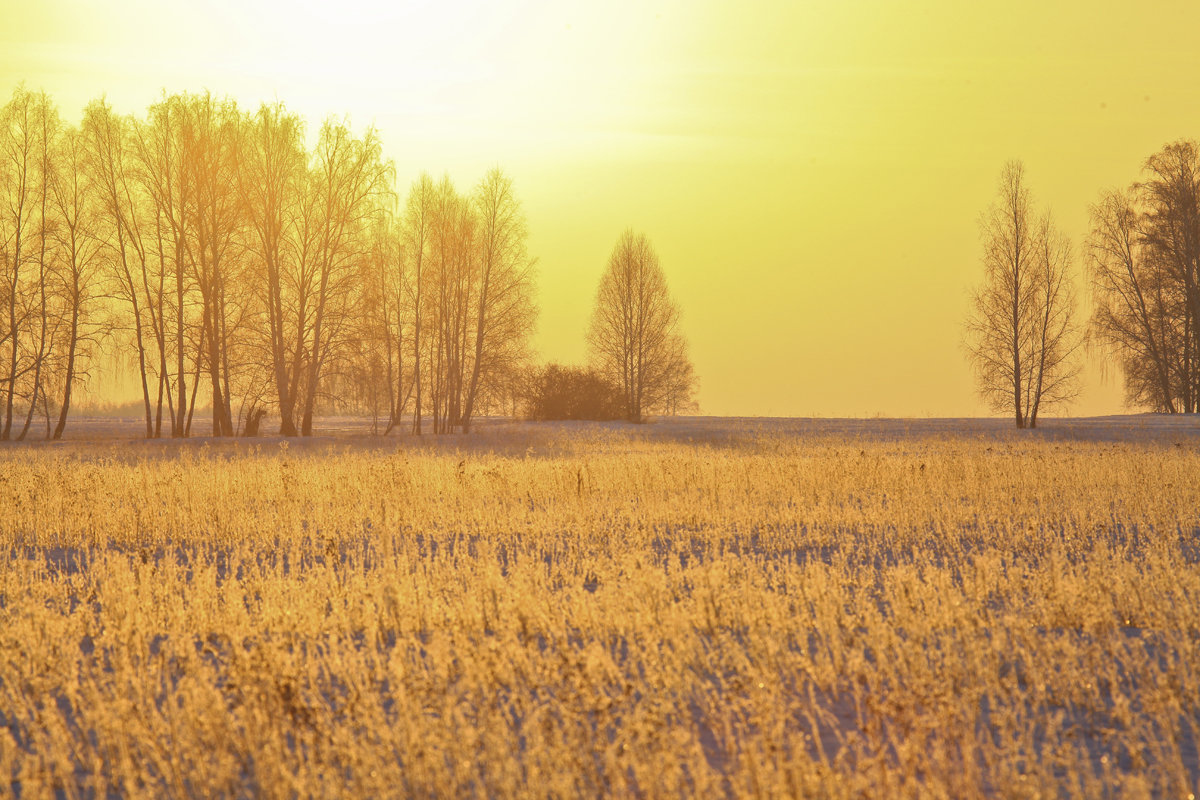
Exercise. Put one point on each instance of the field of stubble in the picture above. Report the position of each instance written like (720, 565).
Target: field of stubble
(681, 609)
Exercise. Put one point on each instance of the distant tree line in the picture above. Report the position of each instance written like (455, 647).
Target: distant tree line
(1143, 261)
(240, 271)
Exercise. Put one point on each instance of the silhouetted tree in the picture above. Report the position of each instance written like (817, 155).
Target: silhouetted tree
(1171, 230)
(28, 129)
(148, 194)
(634, 336)
(416, 244)
(47, 128)
(272, 175)
(386, 319)
(504, 313)
(1022, 337)
(1132, 301)
(210, 152)
(350, 178)
(1144, 254)
(78, 247)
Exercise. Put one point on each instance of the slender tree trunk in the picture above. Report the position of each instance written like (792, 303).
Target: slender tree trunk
(314, 365)
(417, 311)
(287, 407)
(159, 322)
(310, 395)
(214, 372)
(314, 371)
(400, 399)
(12, 362)
(71, 346)
(158, 405)
(14, 334)
(1016, 354)
(287, 424)
(181, 427)
(41, 354)
(191, 407)
(227, 408)
(141, 351)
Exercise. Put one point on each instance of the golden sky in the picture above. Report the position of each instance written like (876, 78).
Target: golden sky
(811, 173)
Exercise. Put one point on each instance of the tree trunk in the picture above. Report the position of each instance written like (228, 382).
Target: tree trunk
(12, 327)
(71, 345)
(181, 427)
(41, 355)
(417, 358)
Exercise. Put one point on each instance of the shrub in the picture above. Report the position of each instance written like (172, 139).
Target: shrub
(563, 392)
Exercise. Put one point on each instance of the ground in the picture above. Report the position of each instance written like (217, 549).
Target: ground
(690, 607)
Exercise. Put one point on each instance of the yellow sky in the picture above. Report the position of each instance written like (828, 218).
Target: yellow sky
(811, 173)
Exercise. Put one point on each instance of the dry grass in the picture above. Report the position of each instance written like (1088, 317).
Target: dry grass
(606, 614)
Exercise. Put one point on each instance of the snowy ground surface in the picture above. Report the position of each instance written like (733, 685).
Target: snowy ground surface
(836, 717)
(508, 436)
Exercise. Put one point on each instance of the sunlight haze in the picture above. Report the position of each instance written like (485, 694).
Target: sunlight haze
(811, 174)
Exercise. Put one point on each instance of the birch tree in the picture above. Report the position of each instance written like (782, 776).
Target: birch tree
(28, 127)
(634, 335)
(350, 179)
(79, 248)
(1021, 335)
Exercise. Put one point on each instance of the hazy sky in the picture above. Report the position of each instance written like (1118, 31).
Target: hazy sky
(811, 173)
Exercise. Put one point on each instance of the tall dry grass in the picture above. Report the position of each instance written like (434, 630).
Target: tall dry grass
(932, 617)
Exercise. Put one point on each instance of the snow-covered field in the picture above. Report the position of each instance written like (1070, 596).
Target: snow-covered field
(692, 607)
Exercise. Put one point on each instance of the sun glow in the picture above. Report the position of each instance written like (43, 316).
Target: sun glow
(811, 173)
(509, 79)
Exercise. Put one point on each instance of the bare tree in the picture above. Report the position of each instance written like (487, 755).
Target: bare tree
(680, 381)
(1171, 231)
(351, 178)
(416, 243)
(124, 220)
(79, 248)
(469, 296)
(371, 370)
(271, 177)
(1131, 291)
(1057, 338)
(1021, 335)
(634, 337)
(449, 277)
(211, 130)
(28, 127)
(505, 313)
(155, 168)
(387, 318)
(47, 128)
(16, 180)
(1145, 265)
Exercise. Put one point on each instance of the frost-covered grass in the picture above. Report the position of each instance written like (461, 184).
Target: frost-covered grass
(696, 607)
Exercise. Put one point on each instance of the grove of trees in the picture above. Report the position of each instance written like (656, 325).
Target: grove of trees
(240, 270)
(1142, 257)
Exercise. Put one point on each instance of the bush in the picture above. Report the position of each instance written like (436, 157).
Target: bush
(562, 392)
